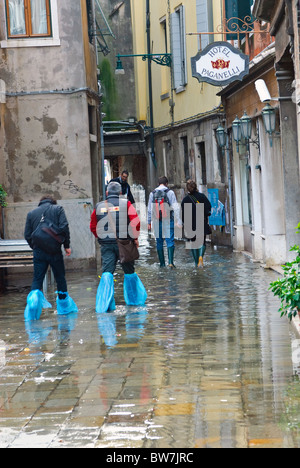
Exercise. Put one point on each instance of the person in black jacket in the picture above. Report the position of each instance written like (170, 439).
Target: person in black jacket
(194, 197)
(42, 258)
(125, 186)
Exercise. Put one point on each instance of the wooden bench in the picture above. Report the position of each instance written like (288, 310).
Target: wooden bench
(16, 254)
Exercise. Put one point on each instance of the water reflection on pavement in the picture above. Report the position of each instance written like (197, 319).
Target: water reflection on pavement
(206, 363)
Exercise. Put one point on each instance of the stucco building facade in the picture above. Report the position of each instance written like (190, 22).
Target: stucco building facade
(49, 134)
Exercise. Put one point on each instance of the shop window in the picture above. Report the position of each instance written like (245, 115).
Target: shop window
(28, 18)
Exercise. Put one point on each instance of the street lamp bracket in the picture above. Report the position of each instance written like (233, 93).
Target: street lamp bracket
(164, 60)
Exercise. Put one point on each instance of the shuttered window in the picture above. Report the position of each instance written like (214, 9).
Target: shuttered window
(205, 21)
(178, 39)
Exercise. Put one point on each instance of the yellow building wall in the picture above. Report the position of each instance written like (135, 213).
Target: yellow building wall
(138, 12)
(197, 98)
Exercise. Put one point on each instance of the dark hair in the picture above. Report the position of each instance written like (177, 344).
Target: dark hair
(50, 198)
(163, 180)
(191, 186)
(125, 172)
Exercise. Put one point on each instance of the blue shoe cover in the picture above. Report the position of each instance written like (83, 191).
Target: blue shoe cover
(134, 291)
(108, 329)
(36, 302)
(65, 306)
(105, 295)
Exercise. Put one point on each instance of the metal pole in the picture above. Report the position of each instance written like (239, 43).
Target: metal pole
(102, 157)
(229, 187)
(148, 23)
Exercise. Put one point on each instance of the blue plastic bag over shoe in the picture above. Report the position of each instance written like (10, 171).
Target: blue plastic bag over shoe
(65, 306)
(36, 302)
(135, 293)
(108, 329)
(105, 301)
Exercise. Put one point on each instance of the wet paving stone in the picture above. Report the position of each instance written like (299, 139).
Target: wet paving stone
(207, 363)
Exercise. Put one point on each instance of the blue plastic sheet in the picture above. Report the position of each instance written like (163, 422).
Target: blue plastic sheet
(66, 306)
(134, 291)
(105, 295)
(36, 302)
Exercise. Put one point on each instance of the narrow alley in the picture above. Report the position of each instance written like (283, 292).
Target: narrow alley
(207, 363)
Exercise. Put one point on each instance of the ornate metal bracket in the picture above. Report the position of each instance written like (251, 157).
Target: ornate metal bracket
(161, 59)
(236, 27)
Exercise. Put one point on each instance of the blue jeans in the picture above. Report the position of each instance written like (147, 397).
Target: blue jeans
(42, 261)
(169, 240)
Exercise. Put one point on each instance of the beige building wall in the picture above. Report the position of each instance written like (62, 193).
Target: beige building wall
(49, 133)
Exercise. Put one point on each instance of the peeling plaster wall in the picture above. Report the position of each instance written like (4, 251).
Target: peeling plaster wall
(44, 139)
(49, 148)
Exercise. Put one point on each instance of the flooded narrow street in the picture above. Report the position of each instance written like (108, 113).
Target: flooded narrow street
(208, 362)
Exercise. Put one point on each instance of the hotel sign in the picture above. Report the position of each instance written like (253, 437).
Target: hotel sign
(220, 64)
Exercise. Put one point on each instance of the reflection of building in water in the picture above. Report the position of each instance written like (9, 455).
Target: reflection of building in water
(296, 356)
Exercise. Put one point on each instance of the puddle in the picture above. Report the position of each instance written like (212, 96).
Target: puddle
(208, 362)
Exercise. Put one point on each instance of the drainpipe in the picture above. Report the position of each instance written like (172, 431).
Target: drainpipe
(148, 22)
(229, 187)
(3, 223)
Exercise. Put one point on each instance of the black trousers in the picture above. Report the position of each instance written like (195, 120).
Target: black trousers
(110, 258)
(42, 261)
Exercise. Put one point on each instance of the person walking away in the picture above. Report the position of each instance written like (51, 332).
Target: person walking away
(163, 210)
(46, 230)
(126, 190)
(194, 197)
(116, 218)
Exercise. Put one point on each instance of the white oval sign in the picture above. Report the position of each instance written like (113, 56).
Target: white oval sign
(220, 64)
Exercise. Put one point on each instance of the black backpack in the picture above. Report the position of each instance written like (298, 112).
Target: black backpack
(47, 236)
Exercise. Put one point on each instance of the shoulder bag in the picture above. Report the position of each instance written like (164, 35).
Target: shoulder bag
(47, 236)
(128, 251)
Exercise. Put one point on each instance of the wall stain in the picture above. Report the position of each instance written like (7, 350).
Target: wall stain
(55, 168)
(50, 126)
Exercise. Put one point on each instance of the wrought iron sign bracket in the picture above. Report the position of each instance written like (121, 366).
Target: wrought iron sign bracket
(161, 59)
(234, 26)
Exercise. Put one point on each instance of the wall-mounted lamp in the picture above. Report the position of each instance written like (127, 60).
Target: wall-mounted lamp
(119, 68)
(221, 136)
(246, 126)
(269, 118)
(237, 131)
(242, 129)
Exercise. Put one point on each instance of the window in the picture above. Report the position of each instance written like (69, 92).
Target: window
(205, 21)
(178, 35)
(237, 9)
(202, 157)
(165, 35)
(28, 18)
(185, 152)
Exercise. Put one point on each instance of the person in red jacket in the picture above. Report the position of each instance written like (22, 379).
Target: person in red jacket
(116, 218)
